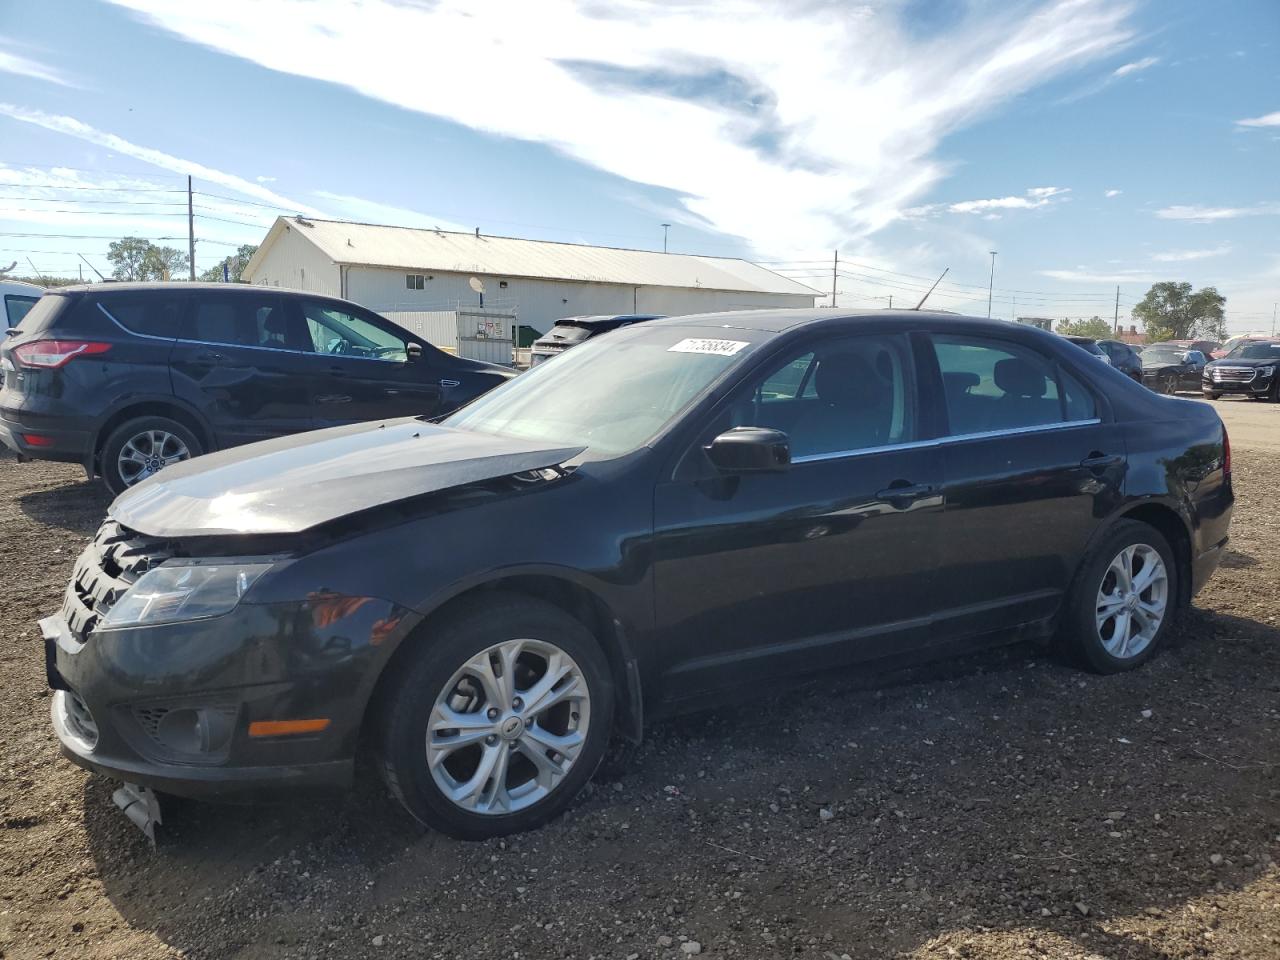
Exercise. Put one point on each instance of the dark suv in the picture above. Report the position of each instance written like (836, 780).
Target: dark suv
(1249, 369)
(127, 378)
(571, 331)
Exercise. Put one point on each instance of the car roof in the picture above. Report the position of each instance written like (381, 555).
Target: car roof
(20, 287)
(134, 286)
(777, 321)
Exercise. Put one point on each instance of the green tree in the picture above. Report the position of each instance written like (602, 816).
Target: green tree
(128, 258)
(166, 263)
(1094, 327)
(1170, 311)
(235, 264)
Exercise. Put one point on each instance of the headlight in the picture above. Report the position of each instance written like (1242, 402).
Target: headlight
(1267, 370)
(183, 591)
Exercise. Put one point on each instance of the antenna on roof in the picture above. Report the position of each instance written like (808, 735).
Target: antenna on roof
(930, 290)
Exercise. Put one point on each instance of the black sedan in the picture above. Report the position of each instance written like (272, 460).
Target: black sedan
(1249, 369)
(681, 511)
(1168, 368)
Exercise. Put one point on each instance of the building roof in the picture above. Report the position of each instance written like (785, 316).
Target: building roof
(407, 248)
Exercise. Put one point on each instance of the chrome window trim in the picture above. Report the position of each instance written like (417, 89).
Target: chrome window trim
(243, 346)
(941, 441)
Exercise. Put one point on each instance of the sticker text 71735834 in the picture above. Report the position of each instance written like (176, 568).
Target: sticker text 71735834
(719, 348)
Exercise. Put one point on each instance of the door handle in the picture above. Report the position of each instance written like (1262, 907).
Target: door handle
(208, 356)
(1100, 461)
(900, 491)
(337, 372)
(333, 398)
(449, 383)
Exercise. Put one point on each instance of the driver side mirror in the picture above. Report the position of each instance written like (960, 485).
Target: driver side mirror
(413, 351)
(750, 450)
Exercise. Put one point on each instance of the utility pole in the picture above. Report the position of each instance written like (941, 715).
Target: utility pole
(891, 301)
(1273, 319)
(191, 231)
(991, 284)
(1117, 311)
(665, 228)
(835, 263)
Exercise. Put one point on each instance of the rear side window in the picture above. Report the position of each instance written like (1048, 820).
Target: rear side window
(249, 320)
(16, 307)
(150, 316)
(992, 385)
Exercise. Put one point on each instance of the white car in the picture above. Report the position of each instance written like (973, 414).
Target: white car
(18, 298)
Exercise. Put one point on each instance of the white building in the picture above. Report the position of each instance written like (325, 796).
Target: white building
(420, 278)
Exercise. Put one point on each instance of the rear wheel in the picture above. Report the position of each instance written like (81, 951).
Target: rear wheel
(497, 721)
(1123, 600)
(141, 447)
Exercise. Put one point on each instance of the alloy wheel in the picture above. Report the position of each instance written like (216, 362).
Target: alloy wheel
(508, 726)
(1132, 602)
(147, 453)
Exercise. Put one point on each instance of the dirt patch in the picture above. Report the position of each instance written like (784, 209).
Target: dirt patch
(1000, 805)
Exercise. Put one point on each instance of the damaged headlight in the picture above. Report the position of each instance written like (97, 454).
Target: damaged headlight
(175, 592)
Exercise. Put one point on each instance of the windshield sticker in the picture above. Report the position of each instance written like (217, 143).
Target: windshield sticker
(719, 348)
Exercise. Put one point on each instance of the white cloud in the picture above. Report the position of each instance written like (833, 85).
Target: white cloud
(23, 67)
(1202, 214)
(1084, 275)
(1136, 67)
(265, 179)
(371, 211)
(1180, 256)
(728, 105)
(1033, 199)
(1112, 193)
(157, 158)
(1266, 120)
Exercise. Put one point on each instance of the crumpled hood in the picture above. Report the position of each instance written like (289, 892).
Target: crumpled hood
(292, 483)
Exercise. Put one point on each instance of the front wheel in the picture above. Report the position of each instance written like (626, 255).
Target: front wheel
(1123, 599)
(1169, 384)
(498, 720)
(141, 447)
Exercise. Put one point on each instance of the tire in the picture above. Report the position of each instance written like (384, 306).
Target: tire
(1275, 390)
(1084, 634)
(442, 679)
(1210, 395)
(1169, 385)
(170, 441)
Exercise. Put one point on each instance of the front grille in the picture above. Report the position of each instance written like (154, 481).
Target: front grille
(1234, 374)
(109, 566)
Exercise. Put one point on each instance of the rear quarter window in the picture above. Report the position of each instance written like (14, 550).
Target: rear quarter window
(45, 312)
(151, 316)
(16, 307)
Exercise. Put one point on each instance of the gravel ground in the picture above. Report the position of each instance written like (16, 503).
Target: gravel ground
(1001, 805)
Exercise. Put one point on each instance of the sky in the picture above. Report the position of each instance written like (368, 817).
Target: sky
(1093, 144)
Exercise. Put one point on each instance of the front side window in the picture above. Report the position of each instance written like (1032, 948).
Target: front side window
(846, 395)
(993, 385)
(333, 330)
(611, 394)
(16, 307)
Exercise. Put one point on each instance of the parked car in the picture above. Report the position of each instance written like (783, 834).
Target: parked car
(661, 519)
(1207, 347)
(1234, 342)
(1123, 357)
(1168, 367)
(128, 378)
(1090, 345)
(572, 331)
(1249, 369)
(17, 298)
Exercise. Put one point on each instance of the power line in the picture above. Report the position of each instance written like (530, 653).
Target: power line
(59, 186)
(95, 213)
(250, 203)
(132, 203)
(85, 236)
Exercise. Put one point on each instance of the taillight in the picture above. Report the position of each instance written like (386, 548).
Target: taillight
(55, 353)
(1226, 452)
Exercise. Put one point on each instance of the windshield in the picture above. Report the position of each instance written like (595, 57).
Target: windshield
(611, 394)
(1265, 350)
(1163, 354)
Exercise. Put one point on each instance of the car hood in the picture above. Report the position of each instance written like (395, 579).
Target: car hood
(293, 483)
(1251, 362)
(1159, 364)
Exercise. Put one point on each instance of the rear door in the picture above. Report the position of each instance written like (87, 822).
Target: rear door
(247, 363)
(367, 370)
(1029, 465)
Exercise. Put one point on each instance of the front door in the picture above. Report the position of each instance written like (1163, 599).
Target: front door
(826, 563)
(246, 362)
(1029, 467)
(368, 373)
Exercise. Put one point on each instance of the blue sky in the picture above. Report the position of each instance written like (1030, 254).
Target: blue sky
(1092, 143)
